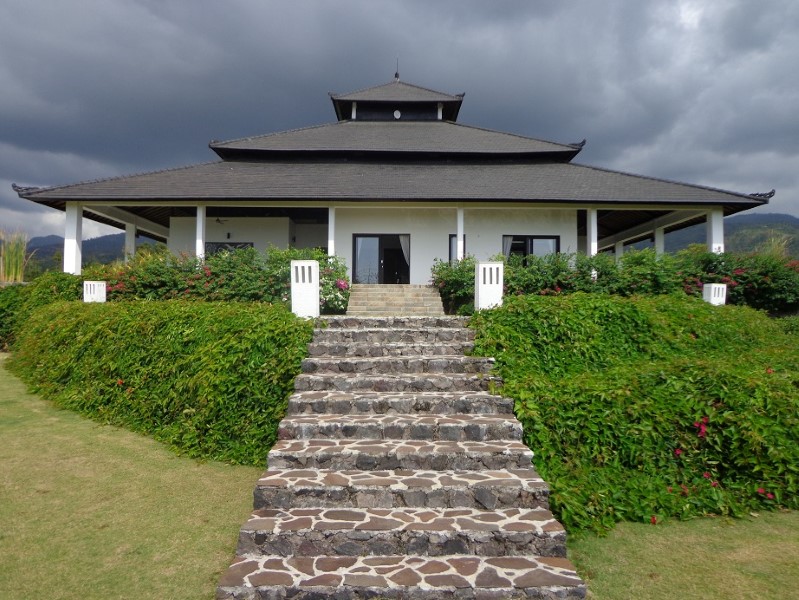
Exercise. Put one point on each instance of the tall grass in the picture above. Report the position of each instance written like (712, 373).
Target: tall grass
(13, 256)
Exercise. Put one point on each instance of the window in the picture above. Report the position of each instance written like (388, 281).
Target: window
(524, 245)
(453, 246)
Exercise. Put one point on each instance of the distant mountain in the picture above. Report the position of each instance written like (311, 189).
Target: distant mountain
(49, 250)
(743, 233)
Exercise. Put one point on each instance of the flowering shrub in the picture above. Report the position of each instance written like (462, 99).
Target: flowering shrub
(238, 275)
(637, 407)
(762, 281)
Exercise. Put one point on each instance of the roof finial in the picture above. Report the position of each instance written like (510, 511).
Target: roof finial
(396, 73)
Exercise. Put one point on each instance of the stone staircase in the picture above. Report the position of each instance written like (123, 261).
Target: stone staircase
(367, 300)
(397, 474)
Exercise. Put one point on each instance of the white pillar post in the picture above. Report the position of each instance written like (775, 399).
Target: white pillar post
(331, 230)
(618, 250)
(130, 241)
(305, 288)
(660, 240)
(199, 239)
(488, 284)
(459, 246)
(715, 230)
(73, 238)
(591, 233)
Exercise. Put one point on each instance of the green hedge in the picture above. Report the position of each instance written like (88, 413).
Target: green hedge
(209, 379)
(762, 281)
(651, 407)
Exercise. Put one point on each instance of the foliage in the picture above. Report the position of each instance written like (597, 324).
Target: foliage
(766, 281)
(642, 407)
(11, 298)
(244, 274)
(455, 283)
(210, 379)
(13, 256)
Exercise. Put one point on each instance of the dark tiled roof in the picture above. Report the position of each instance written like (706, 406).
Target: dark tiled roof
(395, 136)
(231, 181)
(397, 91)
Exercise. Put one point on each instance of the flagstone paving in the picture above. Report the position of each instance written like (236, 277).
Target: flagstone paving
(399, 474)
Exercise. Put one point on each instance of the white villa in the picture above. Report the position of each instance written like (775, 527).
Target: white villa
(393, 184)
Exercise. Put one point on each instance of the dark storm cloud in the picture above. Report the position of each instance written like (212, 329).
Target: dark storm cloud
(694, 91)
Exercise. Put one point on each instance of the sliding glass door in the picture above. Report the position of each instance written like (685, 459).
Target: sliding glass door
(381, 258)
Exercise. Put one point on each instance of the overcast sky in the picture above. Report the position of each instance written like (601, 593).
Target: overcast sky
(697, 91)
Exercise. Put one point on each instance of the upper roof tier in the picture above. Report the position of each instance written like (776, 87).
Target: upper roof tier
(403, 138)
(397, 100)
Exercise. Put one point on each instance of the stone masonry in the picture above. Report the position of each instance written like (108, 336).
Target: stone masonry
(397, 474)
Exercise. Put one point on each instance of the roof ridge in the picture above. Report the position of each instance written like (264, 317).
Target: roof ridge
(709, 188)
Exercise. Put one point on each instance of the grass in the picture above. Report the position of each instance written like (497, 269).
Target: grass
(706, 558)
(92, 511)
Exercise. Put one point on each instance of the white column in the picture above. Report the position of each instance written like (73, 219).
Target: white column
(618, 249)
(331, 231)
(660, 240)
(459, 249)
(199, 242)
(715, 230)
(591, 233)
(130, 240)
(73, 238)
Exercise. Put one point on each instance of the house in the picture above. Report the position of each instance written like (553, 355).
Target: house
(394, 183)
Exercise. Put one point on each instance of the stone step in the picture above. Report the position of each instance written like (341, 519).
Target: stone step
(388, 322)
(372, 335)
(386, 403)
(408, 382)
(454, 428)
(314, 488)
(371, 365)
(275, 577)
(373, 349)
(383, 311)
(387, 455)
(402, 531)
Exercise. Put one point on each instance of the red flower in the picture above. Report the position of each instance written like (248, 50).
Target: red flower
(678, 451)
(770, 496)
(120, 382)
(714, 484)
(769, 370)
(670, 489)
(706, 475)
(705, 420)
(653, 519)
(761, 491)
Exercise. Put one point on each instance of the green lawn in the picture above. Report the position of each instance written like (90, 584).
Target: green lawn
(753, 558)
(90, 511)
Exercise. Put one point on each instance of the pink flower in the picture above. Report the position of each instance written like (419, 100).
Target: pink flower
(706, 475)
(341, 284)
(761, 491)
(714, 484)
(705, 420)
(678, 451)
(770, 496)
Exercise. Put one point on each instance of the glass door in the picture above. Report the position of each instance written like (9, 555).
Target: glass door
(381, 258)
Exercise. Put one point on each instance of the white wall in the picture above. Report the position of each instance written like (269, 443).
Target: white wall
(262, 232)
(430, 228)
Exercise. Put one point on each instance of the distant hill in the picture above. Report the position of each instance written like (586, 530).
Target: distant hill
(743, 233)
(49, 250)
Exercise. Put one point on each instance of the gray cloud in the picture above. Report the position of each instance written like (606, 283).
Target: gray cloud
(689, 90)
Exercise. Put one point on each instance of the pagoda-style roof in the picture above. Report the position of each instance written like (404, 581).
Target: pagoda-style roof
(400, 138)
(397, 94)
